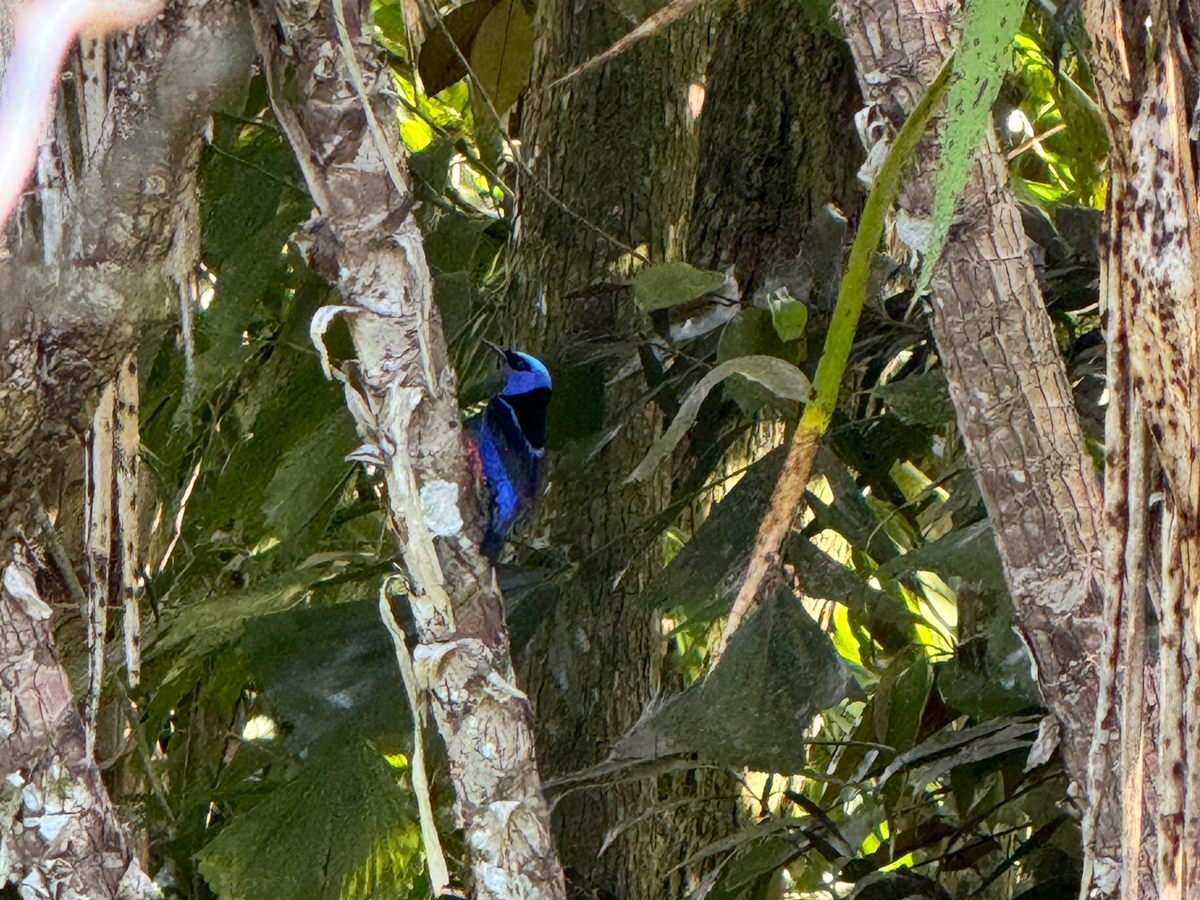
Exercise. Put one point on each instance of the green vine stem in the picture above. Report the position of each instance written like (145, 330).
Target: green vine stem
(789, 490)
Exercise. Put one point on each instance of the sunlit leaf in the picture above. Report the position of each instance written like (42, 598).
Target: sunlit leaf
(905, 686)
(313, 837)
(789, 316)
(502, 53)
(438, 64)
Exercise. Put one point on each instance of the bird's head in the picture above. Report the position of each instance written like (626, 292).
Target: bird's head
(522, 373)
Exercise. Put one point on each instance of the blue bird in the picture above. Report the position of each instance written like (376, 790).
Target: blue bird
(510, 437)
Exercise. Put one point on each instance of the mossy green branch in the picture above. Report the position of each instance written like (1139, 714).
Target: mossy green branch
(853, 290)
(797, 467)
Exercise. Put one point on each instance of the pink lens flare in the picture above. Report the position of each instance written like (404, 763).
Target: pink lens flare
(45, 30)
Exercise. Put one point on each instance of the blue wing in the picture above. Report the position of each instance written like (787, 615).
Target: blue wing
(512, 469)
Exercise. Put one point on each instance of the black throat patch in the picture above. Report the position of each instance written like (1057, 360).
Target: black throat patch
(530, 410)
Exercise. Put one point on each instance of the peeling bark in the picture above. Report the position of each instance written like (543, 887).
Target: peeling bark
(401, 391)
(108, 219)
(1007, 381)
(59, 835)
(1145, 58)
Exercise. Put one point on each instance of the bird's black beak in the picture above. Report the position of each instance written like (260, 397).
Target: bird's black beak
(499, 352)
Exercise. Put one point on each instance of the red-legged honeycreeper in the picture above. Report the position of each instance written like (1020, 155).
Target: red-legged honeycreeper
(510, 436)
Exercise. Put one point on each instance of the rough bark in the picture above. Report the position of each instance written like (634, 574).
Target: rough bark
(1145, 58)
(107, 223)
(777, 140)
(401, 391)
(1007, 381)
(618, 145)
(59, 835)
(735, 153)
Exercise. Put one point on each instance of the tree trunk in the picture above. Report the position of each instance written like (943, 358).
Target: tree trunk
(108, 224)
(618, 146)
(1015, 407)
(401, 390)
(777, 140)
(1145, 58)
(722, 162)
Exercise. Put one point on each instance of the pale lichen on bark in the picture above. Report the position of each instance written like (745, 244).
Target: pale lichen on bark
(401, 391)
(59, 835)
(1144, 57)
(108, 216)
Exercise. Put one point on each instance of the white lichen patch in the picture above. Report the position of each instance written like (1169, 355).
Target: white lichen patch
(439, 503)
(18, 582)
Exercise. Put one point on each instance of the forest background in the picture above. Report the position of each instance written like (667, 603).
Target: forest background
(202, 489)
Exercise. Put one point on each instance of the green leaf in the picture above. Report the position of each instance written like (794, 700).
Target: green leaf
(752, 333)
(438, 64)
(779, 670)
(431, 166)
(305, 483)
(967, 553)
(388, 17)
(298, 403)
(984, 56)
(824, 578)
(454, 294)
(719, 547)
(502, 53)
(670, 284)
(900, 703)
(328, 669)
(947, 749)
(450, 247)
(991, 674)
(208, 622)
(789, 316)
(781, 378)
(314, 837)
(762, 858)
(920, 399)
(821, 14)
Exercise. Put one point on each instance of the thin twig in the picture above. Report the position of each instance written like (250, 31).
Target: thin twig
(672, 12)
(58, 553)
(266, 173)
(1036, 141)
(439, 874)
(522, 166)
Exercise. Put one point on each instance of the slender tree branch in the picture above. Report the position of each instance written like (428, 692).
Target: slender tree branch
(797, 466)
